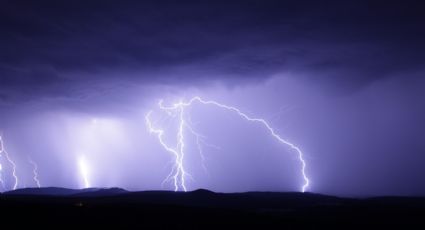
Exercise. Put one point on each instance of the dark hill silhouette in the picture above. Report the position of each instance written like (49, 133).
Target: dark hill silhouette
(56, 191)
(203, 209)
(53, 191)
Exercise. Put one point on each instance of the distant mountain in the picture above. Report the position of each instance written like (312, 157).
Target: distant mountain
(97, 192)
(202, 209)
(56, 191)
(206, 198)
(200, 197)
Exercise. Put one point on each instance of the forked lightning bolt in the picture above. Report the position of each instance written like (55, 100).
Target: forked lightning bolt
(11, 162)
(178, 172)
(35, 172)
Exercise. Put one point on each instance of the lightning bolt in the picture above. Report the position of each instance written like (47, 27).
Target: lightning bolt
(1, 178)
(34, 171)
(178, 172)
(6, 154)
(84, 171)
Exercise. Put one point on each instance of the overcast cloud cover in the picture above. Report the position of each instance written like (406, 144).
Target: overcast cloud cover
(344, 80)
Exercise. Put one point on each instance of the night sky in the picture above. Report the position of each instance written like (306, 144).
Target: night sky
(342, 80)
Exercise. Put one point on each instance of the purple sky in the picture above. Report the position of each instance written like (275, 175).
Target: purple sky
(344, 81)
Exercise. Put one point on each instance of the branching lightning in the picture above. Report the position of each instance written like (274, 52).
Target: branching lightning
(34, 171)
(178, 172)
(200, 142)
(11, 162)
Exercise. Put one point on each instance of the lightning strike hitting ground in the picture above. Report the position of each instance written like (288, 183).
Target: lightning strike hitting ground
(12, 163)
(34, 171)
(1, 178)
(178, 172)
(84, 171)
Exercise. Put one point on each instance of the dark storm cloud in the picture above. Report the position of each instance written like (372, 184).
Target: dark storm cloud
(344, 78)
(50, 44)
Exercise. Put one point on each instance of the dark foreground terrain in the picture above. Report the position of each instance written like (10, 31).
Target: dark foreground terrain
(60, 208)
